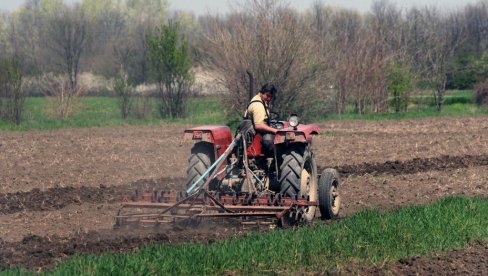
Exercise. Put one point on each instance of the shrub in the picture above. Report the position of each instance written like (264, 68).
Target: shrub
(399, 84)
(124, 92)
(63, 98)
(142, 107)
(481, 93)
(12, 97)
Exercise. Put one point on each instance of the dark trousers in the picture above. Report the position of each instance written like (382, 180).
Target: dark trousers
(268, 143)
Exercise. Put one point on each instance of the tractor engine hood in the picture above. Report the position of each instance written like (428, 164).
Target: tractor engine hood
(302, 133)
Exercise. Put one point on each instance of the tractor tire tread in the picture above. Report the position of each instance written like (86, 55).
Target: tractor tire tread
(198, 163)
(291, 169)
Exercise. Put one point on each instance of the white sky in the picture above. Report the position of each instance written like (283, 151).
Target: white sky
(200, 7)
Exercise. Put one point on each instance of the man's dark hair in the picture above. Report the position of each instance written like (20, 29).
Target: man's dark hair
(268, 88)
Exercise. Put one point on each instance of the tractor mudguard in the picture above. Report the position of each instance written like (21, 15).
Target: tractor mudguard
(219, 136)
(302, 134)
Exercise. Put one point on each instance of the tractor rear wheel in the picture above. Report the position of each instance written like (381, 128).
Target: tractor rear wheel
(298, 177)
(329, 198)
(198, 164)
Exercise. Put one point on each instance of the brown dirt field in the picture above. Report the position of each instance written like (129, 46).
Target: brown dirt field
(59, 189)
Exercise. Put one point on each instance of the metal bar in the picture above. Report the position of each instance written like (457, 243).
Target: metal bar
(250, 186)
(154, 215)
(231, 207)
(251, 84)
(257, 223)
(261, 214)
(260, 204)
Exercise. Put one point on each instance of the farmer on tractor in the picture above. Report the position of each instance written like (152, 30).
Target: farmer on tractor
(258, 112)
(266, 170)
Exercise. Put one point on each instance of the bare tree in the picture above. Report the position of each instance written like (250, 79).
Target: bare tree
(144, 17)
(348, 45)
(360, 49)
(66, 37)
(434, 40)
(476, 18)
(273, 42)
(388, 47)
(25, 34)
(3, 35)
(109, 35)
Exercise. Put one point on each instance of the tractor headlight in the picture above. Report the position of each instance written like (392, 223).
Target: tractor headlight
(294, 121)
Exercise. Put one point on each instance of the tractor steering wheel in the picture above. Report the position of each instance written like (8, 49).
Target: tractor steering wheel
(274, 120)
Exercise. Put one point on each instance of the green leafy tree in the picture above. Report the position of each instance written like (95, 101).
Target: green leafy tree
(481, 67)
(481, 72)
(124, 92)
(170, 67)
(468, 70)
(399, 84)
(462, 73)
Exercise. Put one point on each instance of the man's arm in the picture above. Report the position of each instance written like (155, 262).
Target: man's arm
(265, 128)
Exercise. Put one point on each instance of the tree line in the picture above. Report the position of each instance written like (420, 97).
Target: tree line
(323, 59)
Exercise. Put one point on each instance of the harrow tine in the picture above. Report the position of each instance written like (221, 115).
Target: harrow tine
(218, 203)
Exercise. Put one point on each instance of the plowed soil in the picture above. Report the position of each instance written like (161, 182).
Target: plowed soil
(59, 190)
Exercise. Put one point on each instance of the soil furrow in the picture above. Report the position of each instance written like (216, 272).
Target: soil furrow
(415, 165)
(36, 252)
(60, 197)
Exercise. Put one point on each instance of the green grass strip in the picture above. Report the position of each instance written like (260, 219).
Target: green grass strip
(366, 237)
(104, 111)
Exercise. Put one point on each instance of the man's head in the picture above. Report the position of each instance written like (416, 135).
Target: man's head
(267, 92)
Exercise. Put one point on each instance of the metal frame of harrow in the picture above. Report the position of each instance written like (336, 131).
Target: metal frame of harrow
(173, 208)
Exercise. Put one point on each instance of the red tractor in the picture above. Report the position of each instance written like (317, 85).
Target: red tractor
(289, 173)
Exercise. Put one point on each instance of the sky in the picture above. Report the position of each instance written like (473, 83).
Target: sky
(200, 7)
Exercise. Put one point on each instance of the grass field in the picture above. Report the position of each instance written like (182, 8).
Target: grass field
(456, 103)
(104, 111)
(366, 237)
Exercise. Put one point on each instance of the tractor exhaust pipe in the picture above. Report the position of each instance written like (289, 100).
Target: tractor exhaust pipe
(251, 84)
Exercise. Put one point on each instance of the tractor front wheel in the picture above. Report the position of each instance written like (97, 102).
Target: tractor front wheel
(329, 198)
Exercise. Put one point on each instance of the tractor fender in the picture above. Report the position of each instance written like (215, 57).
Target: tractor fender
(300, 134)
(218, 136)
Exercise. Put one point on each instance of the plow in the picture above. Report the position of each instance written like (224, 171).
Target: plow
(233, 177)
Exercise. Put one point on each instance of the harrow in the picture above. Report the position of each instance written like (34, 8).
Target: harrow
(250, 208)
